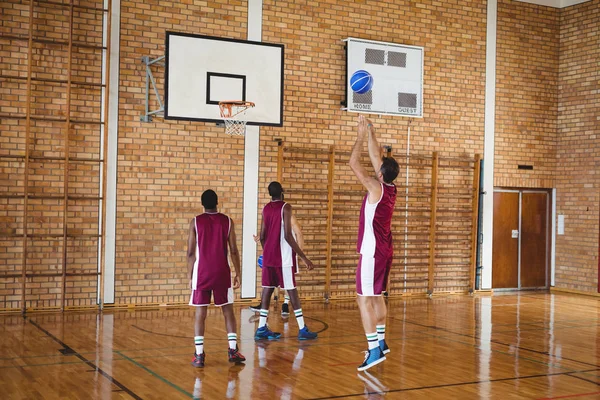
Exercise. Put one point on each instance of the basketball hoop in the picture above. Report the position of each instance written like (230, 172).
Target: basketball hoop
(233, 113)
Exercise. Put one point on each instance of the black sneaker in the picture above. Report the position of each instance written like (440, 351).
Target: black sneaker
(235, 356)
(285, 310)
(256, 308)
(198, 360)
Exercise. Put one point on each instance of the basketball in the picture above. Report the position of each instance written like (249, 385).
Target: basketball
(260, 261)
(361, 81)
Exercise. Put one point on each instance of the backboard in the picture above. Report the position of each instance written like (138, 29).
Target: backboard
(397, 76)
(200, 71)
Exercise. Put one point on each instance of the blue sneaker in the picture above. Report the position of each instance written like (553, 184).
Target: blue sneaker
(384, 347)
(372, 357)
(265, 333)
(305, 334)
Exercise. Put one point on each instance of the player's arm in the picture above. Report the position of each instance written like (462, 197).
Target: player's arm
(191, 250)
(262, 232)
(375, 151)
(287, 226)
(370, 183)
(235, 255)
(297, 231)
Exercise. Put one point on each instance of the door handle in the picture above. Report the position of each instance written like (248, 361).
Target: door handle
(515, 234)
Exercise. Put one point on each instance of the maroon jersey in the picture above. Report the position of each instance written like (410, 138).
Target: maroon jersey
(211, 269)
(375, 225)
(276, 250)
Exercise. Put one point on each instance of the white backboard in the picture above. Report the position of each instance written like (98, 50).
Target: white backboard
(200, 71)
(397, 72)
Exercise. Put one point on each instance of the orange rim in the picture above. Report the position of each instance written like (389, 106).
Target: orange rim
(230, 109)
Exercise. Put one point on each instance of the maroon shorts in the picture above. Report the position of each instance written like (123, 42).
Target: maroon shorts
(372, 275)
(221, 296)
(284, 278)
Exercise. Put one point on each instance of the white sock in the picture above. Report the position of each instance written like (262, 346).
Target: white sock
(372, 340)
(286, 299)
(232, 339)
(263, 318)
(199, 343)
(381, 332)
(299, 318)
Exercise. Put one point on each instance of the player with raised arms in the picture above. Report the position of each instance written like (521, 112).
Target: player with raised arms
(374, 239)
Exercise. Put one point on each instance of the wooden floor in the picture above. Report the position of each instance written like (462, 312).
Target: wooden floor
(529, 346)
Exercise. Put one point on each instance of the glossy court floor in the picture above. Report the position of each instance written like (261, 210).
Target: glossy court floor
(530, 346)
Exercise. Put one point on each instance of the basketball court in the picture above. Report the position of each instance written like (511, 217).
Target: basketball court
(117, 115)
(512, 346)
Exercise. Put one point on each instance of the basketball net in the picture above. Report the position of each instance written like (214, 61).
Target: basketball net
(233, 113)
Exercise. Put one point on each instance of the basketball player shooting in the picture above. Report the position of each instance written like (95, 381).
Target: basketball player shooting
(374, 239)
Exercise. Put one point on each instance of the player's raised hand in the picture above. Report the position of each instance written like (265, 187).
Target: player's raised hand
(362, 126)
(236, 282)
(256, 238)
(370, 127)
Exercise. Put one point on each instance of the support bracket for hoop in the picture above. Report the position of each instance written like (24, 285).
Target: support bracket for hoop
(147, 117)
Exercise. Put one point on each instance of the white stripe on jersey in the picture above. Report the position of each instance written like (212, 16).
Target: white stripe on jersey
(286, 249)
(195, 270)
(368, 241)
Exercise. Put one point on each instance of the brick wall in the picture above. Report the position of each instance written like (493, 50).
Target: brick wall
(164, 167)
(577, 179)
(526, 94)
(47, 215)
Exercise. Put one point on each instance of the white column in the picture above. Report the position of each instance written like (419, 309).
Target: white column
(488, 152)
(251, 151)
(553, 239)
(110, 197)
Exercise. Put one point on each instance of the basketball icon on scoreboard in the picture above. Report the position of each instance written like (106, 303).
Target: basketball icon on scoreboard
(384, 78)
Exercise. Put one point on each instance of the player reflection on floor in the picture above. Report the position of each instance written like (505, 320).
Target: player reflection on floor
(287, 372)
(374, 389)
(233, 377)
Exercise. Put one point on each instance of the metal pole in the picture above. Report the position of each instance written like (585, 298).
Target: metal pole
(26, 166)
(102, 218)
(67, 154)
(406, 207)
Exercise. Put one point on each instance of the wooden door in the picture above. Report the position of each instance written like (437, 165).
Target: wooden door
(505, 247)
(534, 239)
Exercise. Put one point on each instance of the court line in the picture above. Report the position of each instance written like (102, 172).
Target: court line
(325, 327)
(498, 342)
(164, 380)
(583, 379)
(456, 384)
(85, 360)
(569, 396)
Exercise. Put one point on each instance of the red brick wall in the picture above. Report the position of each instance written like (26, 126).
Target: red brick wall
(577, 179)
(526, 94)
(165, 166)
(47, 151)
